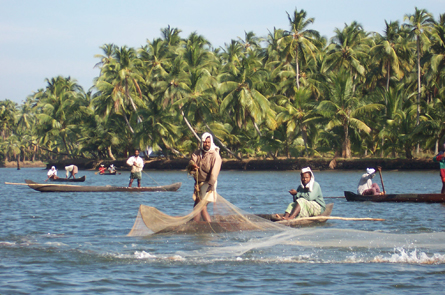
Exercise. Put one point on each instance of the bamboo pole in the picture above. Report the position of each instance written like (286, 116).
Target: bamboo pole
(323, 218)
(381, 179)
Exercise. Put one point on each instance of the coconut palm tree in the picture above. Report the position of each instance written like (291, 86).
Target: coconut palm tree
(419, 23)
(298, 42)
(344, 108)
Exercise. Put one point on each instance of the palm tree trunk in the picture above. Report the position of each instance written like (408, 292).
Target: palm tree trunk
(346, 147)
(297, 69)
(304, 134)
(418, 87)
(387, 81)
(18, 161)
(110, 153)
(128, 124)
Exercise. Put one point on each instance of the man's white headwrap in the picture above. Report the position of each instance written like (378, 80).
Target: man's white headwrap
(310, 185)
(370, 170)
(213, 147)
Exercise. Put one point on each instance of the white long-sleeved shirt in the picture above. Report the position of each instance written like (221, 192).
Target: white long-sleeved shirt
(365, 182)
(139, 164)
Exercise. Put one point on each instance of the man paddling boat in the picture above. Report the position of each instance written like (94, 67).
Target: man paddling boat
(366, 186)
(205, 163)
(52, 173)
(440, 158)
(307, 198)
(137, 164)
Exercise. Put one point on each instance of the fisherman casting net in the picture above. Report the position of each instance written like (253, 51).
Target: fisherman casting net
(225, 217)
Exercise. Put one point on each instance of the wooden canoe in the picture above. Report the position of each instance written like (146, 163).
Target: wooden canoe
(416, 198)
(297, 222)
(79, 179)
(225, 224)
(80, 188)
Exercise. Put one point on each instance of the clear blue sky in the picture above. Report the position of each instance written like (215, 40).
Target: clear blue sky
(42, 39)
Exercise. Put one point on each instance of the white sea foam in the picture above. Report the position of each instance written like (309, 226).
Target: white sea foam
(414, 256)
(143, 255)
(56, 244)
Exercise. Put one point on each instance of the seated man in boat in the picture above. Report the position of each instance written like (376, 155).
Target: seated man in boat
(112, 169)
(102, 169)
(137, 164)
(440, 158)
(205, 164)
(307, 199)
(366, 186)
(52, 173)
(71, 170)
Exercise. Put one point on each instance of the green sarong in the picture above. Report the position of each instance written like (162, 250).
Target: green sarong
(307, 208)
(136, 175)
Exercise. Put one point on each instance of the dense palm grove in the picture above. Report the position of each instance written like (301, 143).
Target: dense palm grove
(290, 94)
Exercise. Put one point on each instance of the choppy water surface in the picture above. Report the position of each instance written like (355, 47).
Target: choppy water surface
(52, 243)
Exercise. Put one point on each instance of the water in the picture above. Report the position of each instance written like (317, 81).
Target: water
(76, 243)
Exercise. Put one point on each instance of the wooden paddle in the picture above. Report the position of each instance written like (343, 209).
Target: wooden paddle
(381, 179)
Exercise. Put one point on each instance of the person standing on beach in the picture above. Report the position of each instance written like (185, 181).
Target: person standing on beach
(440, 158)
(137, 164)
(205, 163)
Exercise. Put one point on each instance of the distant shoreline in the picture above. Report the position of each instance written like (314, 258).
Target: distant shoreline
(252, 164)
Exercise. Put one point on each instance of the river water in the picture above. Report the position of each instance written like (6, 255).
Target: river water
(77, 243)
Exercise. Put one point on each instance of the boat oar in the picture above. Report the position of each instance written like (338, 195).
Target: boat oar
(381, 179)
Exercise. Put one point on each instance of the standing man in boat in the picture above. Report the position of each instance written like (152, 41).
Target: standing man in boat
(365, 185)
(307, 199)
(440, 158)
(52, 173)
(71, 170)
(137, 164)
(205, 163)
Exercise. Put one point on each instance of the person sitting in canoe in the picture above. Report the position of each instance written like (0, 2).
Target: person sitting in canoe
(52, 173)
(440, 158)
(71, 170)
(102, 169)
(112, 169)
(307, 199)
(205, 164)
(366, 186)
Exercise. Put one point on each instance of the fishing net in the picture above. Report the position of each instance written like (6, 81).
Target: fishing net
(225, 217)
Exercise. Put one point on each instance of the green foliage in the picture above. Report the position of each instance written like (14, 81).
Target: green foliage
(290, 94)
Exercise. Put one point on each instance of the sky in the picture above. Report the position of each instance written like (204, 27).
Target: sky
(42, 39)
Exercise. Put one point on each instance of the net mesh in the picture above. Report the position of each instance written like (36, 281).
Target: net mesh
(225, 217)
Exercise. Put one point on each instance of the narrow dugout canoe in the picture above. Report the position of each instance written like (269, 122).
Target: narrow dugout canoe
(415, 198)
(79, 179)
(300, 222)
(78, 188)
(224, 224)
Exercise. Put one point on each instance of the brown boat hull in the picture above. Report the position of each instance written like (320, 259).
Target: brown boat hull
(299, 222)
(78, 188)
(79, 179)
(413, 198)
